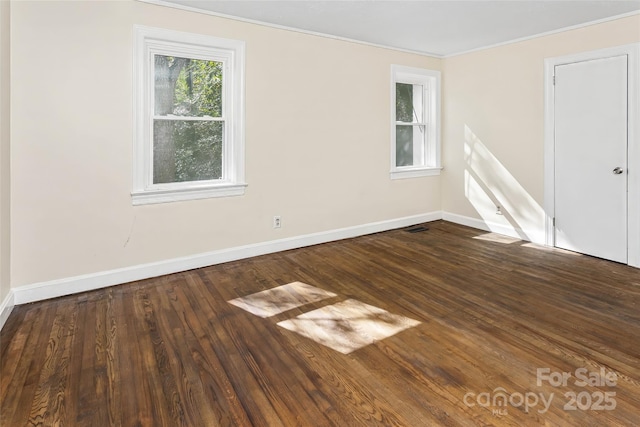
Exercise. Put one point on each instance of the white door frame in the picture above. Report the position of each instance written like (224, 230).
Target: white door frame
(633, 156)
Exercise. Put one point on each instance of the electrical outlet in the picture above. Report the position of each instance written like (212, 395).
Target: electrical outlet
(277, 221)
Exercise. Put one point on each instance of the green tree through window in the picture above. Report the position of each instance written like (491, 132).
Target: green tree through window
(188, 125)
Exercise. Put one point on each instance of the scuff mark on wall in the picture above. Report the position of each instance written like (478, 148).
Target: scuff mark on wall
(133, 223)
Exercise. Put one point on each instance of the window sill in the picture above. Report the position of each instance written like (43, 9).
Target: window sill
(147, 197)
(414, 173)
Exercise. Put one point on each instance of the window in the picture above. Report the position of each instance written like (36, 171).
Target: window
(415, 134)
(189, 141)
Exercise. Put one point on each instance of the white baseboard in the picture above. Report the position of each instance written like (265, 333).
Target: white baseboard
(535, 237)
(5, 308)
(71, 285)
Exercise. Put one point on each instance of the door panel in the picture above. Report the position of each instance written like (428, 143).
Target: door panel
(590, 142)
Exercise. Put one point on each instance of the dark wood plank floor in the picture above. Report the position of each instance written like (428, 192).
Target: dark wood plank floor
(172, 352)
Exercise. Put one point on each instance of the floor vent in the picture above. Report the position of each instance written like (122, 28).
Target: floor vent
(417, 229)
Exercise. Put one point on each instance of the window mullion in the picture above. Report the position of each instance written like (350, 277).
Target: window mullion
(190, 118)
(412, 123)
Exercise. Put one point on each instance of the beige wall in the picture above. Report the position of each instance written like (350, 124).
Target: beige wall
(317, 141)
(317, 138)
(494, 126)
(5, 117)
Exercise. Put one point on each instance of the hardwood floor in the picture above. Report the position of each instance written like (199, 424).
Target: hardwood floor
(172, 351)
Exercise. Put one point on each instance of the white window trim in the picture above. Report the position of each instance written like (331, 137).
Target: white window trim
(431, 80)
(148, 41)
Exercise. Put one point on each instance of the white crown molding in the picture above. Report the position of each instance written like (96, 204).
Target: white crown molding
(71, 285)
(6, 307)
(286, 28)
(547, 33)
(382, 46)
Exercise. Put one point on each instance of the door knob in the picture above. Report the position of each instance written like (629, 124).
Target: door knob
(618, 171)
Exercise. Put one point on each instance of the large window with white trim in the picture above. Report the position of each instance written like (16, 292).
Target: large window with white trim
(189, 116)
(415, 133)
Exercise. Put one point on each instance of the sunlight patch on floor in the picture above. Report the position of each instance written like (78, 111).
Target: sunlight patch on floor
(497, 238)
(550, 249)
(348, 325)
(283, 298)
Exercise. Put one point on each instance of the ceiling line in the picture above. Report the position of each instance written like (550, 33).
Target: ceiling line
(546, 33)
(382, 46)
(286, 28)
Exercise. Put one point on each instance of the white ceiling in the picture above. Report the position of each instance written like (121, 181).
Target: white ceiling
(436, 27)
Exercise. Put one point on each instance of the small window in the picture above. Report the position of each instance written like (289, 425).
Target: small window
(189, 117)
(415, 135)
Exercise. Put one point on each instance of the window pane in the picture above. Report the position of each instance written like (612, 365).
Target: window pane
(409, 145)
(404, 145)
(404, 102)
(187, 87)
(187, 150)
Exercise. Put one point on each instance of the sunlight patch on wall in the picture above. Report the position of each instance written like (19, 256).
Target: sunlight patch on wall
(283, 298)
(489, 184)
(348, 325)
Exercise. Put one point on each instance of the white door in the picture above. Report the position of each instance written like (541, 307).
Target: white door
(591, 157)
